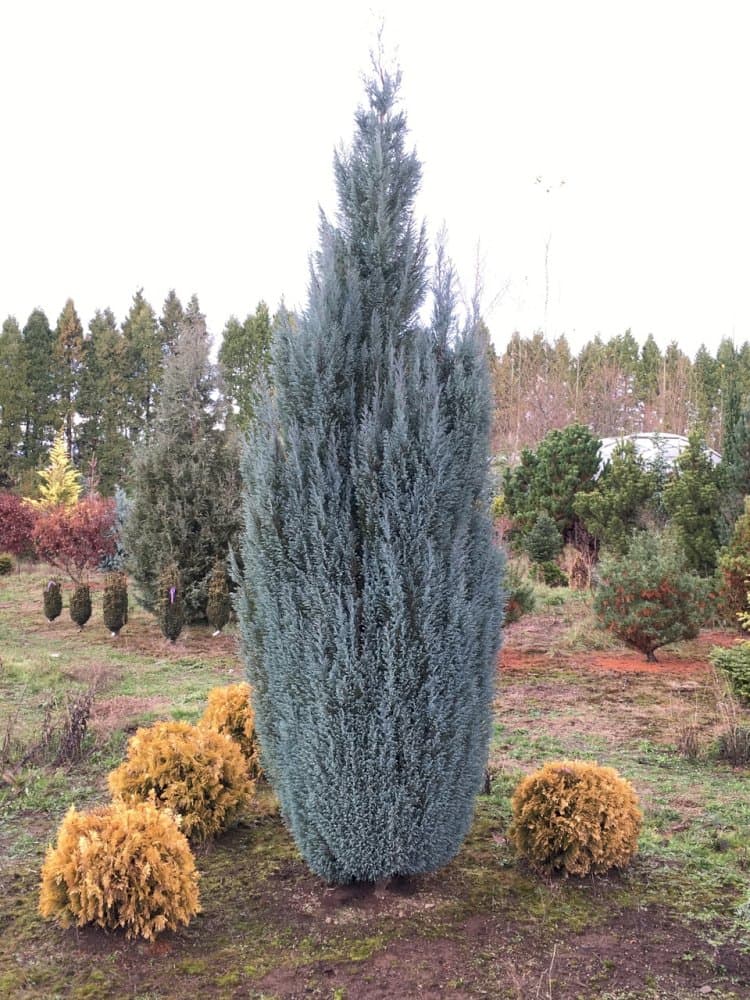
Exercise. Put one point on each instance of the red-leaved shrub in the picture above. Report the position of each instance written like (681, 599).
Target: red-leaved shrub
(17, 520)
(76, 539)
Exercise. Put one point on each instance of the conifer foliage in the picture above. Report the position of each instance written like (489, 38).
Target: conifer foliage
(185, 480)
(170, 608)
(370, 604)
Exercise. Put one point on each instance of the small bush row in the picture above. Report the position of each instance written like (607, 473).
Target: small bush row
(129, 865)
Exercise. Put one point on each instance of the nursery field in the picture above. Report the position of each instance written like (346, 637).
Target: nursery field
(672, 925)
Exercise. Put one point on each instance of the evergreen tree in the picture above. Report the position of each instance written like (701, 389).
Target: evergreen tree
(69, 358)
(14, 400)
(143, 365)
(170, 321)
(60, 482)
(244, 357)
(615, 506)
(648, 597)
(370, 603)
(102, 401)
(549, 478)
(41, 415)
(691, 498)
(544, 542)
(185, 478)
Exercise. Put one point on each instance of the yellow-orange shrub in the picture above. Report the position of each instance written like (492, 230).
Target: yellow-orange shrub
(577, 817)
(120, 866)
(197, 773)
(230, 711)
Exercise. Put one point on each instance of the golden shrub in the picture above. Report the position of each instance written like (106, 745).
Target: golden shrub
(577, 817)
(196, 772)
(120, 866)
(230, 711)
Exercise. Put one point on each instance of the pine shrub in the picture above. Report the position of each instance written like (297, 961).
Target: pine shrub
(170, 610)
(6, 564)
(52, 600)
(219, 603)
(544, 542)
(115, 601)
(575, 817)
(735, 663)
(550, 574)
(120, 866)
(196, 772)
(230, 711)
(648, 598)
(734, 567)
(80, 604)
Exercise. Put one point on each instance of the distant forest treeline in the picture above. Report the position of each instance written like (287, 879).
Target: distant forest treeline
(615, 387)
(102, 384)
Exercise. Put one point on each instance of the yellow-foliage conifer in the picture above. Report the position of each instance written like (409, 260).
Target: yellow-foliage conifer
(577, 817)
(60, 481)
(230, 711)
(197, 773)
(121, 866)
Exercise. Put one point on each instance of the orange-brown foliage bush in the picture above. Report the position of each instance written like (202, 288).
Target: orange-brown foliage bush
(576, 817)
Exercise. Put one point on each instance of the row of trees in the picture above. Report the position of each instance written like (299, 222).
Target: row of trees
(615, 387)
(102, 386)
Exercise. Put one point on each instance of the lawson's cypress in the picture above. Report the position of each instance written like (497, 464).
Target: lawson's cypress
(370, 603)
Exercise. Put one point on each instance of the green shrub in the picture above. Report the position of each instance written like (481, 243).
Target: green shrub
(196, 772)
(734, 567)
(120, 866)
(735, 663)
(52, 599)
(648, 598)
(576, 817)
(115, 602)
(544, 542)
(6, 564)
(550, 574)
(219, 604)
(170, 608)
(80, 604)
(519, 599)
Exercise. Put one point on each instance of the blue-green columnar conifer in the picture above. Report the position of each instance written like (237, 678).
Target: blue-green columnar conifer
(370, 601)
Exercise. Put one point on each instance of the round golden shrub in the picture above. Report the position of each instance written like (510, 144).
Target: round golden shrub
(197, 773)
(576, 817)
(120, 866)
(230, 711)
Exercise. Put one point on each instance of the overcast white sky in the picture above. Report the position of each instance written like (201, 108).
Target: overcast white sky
(178, 144)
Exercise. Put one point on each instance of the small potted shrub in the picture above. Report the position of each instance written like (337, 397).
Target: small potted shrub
(115, 602)
(170, 608)
(219, 604)
(52, 600)
(80, 604)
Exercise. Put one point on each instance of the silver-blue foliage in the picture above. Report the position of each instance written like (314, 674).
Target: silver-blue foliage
(370, 604)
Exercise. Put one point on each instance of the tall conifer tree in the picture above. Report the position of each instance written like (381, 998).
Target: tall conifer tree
(185, 478)
(14, 399)
(41, 416)
(370, 601)
(69, 357)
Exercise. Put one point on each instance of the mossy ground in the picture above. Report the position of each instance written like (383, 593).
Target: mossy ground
(485, 926)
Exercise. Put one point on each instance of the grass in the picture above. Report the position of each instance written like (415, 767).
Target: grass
(484, 926)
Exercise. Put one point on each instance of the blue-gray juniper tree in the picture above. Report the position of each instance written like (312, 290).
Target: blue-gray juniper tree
(370, 604)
